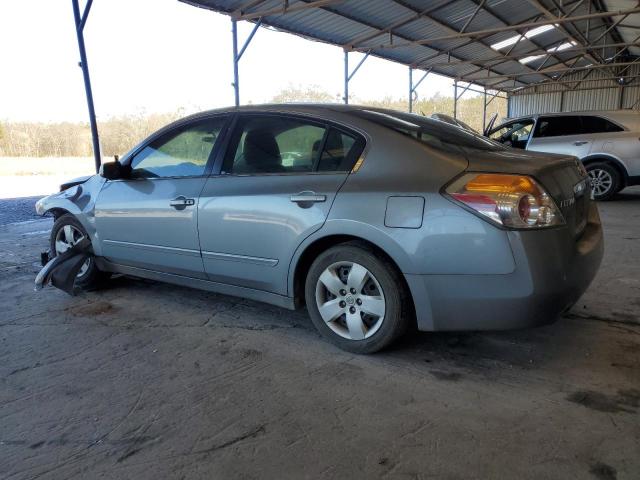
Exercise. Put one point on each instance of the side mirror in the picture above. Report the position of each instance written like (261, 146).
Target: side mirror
(111, 170)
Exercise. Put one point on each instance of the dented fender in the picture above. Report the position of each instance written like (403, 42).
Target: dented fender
(79, 200)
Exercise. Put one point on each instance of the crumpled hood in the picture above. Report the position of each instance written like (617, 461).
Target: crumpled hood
(75, 181)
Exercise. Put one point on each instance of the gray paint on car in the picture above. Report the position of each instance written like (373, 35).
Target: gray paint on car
(245, 236)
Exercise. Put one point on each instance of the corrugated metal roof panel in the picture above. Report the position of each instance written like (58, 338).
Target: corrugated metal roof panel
(414, 22)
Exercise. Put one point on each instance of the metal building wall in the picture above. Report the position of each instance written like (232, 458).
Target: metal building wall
(600, 95)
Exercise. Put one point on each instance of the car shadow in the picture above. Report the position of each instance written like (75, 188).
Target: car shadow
(628, 194)
(444, 355)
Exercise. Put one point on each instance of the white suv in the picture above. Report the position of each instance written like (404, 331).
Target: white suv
(607, 142)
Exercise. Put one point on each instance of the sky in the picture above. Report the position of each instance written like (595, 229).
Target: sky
(164, 55)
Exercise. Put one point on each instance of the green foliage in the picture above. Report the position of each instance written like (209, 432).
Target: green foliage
(469, 107)
(119, 134)
(311, 93)
(67, 139)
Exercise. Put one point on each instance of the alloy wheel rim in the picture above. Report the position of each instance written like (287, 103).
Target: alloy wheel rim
(350, 300)
(66, 238)
(601, 181)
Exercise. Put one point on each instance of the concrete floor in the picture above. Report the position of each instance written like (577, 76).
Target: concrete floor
(145, 380)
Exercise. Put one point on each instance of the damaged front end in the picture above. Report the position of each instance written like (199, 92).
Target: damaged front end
(62, 270)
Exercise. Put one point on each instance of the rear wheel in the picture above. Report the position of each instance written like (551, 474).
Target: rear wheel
(356, 299)
(66, 232)
(605, 180)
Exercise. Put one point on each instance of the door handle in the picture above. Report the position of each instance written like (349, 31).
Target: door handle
(580, 142)
(308, 197)
(182, 202)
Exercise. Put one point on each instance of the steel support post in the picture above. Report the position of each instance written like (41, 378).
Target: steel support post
(412, 87)
(455, 99)
(484, 111)
(238, 55)
(348, 76)
(621, 96)
(236, 84)
(80, 21)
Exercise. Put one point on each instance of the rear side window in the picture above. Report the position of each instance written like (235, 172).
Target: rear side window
(338, 154)
(558, 126)
(591, 124)
(265, 144)
(434, 133)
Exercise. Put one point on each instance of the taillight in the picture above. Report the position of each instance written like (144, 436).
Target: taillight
(514, 201)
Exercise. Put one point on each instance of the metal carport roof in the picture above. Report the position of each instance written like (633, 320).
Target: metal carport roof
(542, 40)
(501, 45)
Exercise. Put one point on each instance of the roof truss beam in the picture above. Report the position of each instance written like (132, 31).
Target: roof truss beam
(507, 28)
(284, 9)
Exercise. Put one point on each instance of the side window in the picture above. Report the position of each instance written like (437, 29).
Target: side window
(514, 134)
(340, 152)
(592, 124)
(558, 126)
(181, 153)
(274, 144)
(521, 129)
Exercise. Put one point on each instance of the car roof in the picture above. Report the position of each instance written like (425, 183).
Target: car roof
(289, 107)
(326, 111)
(627, 118)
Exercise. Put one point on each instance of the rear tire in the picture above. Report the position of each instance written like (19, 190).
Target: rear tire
(67, 229)
(356, 299)
(606, 180)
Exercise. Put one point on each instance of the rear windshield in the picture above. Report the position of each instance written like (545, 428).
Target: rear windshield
(433, 133)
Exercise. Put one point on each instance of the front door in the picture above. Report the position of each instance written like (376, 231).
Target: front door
(149, 218)
(513, 134)
(276, 186)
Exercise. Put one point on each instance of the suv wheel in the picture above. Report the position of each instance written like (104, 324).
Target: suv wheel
(605, 180)
(356, 299)
(66, 232)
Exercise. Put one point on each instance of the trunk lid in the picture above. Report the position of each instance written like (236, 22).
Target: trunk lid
(562, 176)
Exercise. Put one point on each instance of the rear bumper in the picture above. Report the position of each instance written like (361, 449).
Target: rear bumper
(553, 270)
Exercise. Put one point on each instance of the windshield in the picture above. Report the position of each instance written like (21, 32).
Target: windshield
(435, 133)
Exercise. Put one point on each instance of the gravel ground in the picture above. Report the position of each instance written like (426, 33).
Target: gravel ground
(146, 380)
(13, 210)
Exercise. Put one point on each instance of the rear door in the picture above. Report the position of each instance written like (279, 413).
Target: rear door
(561, 134)
(278, 180)
(149, 218)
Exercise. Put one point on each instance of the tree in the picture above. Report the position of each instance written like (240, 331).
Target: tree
(311, 93)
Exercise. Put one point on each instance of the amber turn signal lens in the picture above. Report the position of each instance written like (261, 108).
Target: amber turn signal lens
(500, 183)
(515, 201)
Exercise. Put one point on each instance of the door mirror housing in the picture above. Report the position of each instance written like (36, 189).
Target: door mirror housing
(111, 170)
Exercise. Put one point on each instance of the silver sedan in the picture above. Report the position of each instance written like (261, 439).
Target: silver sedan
(377, 221)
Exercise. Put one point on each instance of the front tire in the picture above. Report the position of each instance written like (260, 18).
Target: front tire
(606, 180)
(356, 299)
(66, 232)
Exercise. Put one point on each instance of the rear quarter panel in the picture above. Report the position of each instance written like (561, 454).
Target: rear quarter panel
(623, 146)
(450, 240)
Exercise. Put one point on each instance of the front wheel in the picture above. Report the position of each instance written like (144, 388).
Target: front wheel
(356, 299)
(605, 180)
(66, 232)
